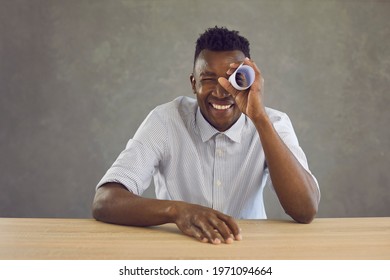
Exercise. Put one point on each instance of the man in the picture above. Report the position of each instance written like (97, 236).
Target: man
(210, 157)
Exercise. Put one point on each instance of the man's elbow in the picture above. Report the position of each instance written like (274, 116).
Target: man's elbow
(100, 207)
(305, 216)
(98, 210)
(305, 219)
(306, 211)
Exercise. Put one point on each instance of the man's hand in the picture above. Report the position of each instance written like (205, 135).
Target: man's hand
(249, 101)
(206, 224)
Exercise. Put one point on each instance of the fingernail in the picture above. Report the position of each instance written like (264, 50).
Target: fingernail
(247, 58)
(229, 240)
(239, 236)
(217, 241)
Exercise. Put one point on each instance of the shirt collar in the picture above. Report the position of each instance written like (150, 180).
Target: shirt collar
(207, 130)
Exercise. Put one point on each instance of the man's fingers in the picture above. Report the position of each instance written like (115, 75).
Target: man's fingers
(232, 225)
(228, 86)
(195, 232)
(208, 231)
(233, 67)
(225, 83)
(223, 230)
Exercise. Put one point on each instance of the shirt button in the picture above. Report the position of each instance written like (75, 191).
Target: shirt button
(219, 183)
(219, 152)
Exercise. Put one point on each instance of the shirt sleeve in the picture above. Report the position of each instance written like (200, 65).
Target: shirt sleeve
(136, 164)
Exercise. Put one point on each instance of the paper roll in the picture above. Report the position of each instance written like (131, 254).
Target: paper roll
(243, 77)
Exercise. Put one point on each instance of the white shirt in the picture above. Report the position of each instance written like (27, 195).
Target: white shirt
(192, 161)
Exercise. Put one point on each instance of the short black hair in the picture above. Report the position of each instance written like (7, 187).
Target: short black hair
(221, 39)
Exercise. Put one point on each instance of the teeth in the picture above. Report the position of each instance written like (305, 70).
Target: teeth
(221, 107)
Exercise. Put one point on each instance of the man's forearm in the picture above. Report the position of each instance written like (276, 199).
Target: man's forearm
(114, 204)
(294, 186)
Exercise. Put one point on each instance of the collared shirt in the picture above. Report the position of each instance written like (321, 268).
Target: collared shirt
(192, 161)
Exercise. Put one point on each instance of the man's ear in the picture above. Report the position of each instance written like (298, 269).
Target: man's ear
(193, 82)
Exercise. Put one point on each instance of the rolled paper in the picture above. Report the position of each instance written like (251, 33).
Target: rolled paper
(243, 77)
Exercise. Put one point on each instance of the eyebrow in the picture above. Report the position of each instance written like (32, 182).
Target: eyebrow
(207, 73)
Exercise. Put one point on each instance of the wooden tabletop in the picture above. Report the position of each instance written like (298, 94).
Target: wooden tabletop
(87, 239)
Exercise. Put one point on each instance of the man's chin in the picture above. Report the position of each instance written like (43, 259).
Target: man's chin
(222, 126)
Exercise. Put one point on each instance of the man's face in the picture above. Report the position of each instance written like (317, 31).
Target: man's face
(216, 104)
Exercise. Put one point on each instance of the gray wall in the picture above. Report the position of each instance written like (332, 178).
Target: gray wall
(78, 77)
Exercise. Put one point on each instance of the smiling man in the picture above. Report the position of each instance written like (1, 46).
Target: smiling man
(210, 157)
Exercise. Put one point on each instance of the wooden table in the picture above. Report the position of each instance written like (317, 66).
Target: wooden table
(87, 239)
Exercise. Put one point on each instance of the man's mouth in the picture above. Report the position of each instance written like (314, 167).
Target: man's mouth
(221, 107)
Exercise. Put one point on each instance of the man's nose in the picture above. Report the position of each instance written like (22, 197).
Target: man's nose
(219, 91)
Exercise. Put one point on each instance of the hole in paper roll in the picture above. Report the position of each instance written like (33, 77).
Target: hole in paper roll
(241, 80)
(243, 77)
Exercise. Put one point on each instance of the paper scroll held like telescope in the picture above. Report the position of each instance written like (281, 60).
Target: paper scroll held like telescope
(243, 77)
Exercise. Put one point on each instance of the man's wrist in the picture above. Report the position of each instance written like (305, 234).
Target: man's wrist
(261, 121)
(171, 211)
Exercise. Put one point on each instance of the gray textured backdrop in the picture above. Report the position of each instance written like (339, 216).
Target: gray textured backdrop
(78, 77)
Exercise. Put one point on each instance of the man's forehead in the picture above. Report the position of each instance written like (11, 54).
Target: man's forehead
(212, 60)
